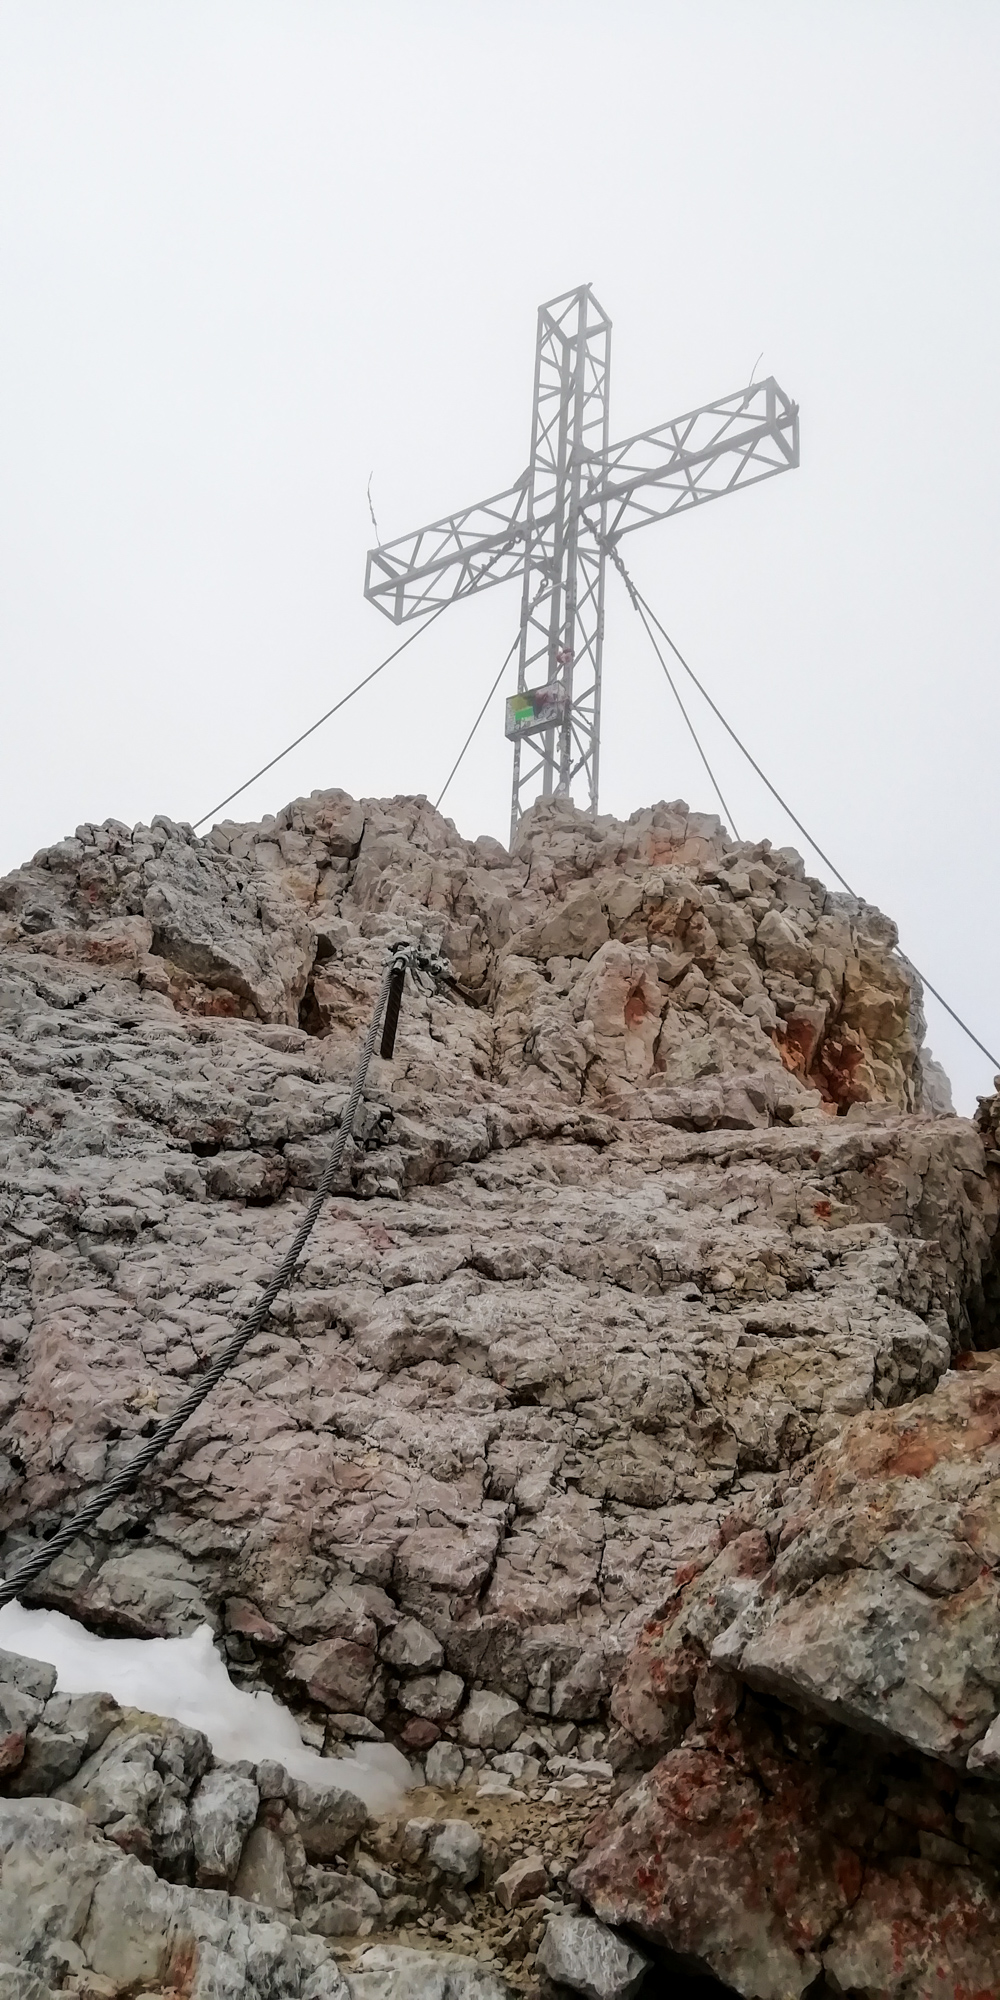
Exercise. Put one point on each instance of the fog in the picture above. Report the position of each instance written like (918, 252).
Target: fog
(256, 254)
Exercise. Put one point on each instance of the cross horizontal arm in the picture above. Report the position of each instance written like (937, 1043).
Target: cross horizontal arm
(467, 551)
(715, 450)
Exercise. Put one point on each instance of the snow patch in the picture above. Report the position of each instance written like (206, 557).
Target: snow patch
(186, 1679)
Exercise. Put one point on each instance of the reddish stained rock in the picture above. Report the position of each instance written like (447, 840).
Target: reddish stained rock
(654, 1700)
(770, 1846)
(411, 1421)
(249, 1622)
(336, 1672)
(882, 1607)
(768, 1851)
(12, 1751)
(419, 1734)
(744, 1879)
(424, 1429)
(655, 1697)
(917, 1930)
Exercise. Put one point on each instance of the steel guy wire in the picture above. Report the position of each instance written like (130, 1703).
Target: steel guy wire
(642, 606)
(675, 691)
(345, 698)
(403, 957)
(477, 722)
(536, 600)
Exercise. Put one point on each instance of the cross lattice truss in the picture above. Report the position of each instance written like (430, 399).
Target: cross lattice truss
(555, 528)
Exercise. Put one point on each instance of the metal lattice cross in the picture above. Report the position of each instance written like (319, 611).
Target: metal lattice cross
(554, 530)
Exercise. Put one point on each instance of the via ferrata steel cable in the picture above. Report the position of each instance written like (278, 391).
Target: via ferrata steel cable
(405, 957)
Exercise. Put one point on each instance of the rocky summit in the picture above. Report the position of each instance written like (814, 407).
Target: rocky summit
(626, 1451)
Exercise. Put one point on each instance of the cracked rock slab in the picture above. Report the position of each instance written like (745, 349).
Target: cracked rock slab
(387, 1973)
(69, 1899)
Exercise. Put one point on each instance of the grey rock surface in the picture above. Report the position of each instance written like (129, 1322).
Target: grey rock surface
(223, 1808)
(527, 1879)
(444, 1765)
(490, 1721)
(437, 1697)
(350, 1906)
(52, 1754)
(328, 1821)
(18, 1982)
(138, 1783)
(457, 1850)
(584, 1955)
(385, 1973)
(604, 1256)
(70, 1900)
(34, 1678)
(262, 1876)
(412, 1649)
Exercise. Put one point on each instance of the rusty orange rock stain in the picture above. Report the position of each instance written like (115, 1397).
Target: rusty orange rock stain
(835, 1070)
(685, 1574)
(658, 847)
(753, 1554)
(12, 1749)
(915, 1456)
(635, 1007)
(182, 1968)
(911, 1451)
(848, 1874)
(799, 1044)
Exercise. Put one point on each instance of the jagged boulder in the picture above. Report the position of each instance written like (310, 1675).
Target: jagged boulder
(825, 1692)
(621, 1244)
(72, 1904)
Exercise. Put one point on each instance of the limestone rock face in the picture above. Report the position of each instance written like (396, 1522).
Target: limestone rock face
(607, 1253)
(659, 1202)
(825, 1693)
(71, 1903)
(422, 1975)
(581, 1954)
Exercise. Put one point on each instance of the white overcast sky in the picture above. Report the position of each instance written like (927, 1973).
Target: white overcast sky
(256, 250)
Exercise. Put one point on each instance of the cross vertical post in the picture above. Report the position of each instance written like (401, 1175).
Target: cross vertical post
(555, 526)
(562, 605)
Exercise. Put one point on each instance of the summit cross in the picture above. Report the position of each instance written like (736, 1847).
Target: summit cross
(556, 527)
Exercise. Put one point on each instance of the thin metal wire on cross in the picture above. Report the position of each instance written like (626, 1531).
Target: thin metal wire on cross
(536, 600)
(647, 613)
(474, 580)
(612, 551)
